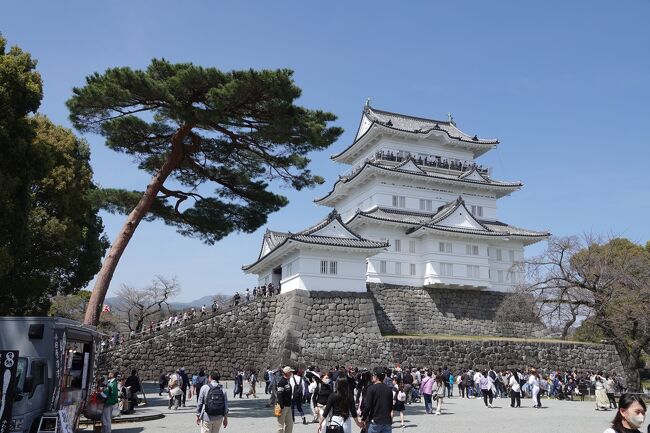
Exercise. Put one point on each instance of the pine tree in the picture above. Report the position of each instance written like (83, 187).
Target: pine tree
(212, 142)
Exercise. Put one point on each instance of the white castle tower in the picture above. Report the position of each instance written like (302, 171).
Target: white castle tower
(414, 210)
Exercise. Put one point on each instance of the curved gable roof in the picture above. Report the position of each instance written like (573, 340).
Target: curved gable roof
(372, 118)
(331, 231)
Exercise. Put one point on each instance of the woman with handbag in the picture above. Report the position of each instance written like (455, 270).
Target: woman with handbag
(339, 409)
(438, 393)
(399, 400)
(175, 391)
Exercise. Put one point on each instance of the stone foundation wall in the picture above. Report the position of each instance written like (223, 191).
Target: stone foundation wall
(416, 310)
(236, 338)
(504, 354)
(301, 328)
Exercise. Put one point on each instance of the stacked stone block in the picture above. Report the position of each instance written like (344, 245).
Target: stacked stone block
(418, 311)
(302, 328)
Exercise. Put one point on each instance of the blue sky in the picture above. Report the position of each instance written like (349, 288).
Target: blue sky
(563, 85)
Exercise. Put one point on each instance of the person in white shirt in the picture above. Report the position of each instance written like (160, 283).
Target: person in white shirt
(486, 383)
(477, 386)
(533, 381)
(515, 389)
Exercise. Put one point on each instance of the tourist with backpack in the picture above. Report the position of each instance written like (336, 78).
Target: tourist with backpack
(297, 383)
(445, 380)
(267, 380)
(201, 379)
(184, 383)
(212, 406)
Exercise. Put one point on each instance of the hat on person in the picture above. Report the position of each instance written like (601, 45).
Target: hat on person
(288, 369)
(181, 369)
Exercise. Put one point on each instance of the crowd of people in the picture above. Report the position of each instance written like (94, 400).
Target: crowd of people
(430, 161)
(375, 400)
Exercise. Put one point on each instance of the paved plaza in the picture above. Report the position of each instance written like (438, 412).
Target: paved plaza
(459, 415)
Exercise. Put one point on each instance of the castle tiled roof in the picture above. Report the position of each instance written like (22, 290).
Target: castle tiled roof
(414, 125)
(274, 240)
(460, 178)
(414, 221)
(421, 125)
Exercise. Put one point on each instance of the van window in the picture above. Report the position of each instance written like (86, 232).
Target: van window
(38, 375)
(20, 376)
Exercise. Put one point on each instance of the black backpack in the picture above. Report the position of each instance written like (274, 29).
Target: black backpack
(266, 376)
(215, 402)
(298, 391)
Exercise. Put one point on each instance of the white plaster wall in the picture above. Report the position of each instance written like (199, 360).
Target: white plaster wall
(427, 258)
(378, 192)
(350, 276)
(511, 275)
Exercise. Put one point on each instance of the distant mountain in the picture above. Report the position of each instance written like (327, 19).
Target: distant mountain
(207, 300)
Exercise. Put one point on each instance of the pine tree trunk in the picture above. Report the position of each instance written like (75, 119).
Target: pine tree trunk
(105, 275)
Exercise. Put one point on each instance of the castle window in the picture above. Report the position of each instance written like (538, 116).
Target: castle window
(471, 250)
(398, 245)
(333, 268)
(412, 269)
(323, 266)
(499, 254)
(399, 201)
(446, 269)
(473, 271)
(426, 204)
(398, 268)
(411, 246)
(444, 247)
(382, 266)
(477, 211)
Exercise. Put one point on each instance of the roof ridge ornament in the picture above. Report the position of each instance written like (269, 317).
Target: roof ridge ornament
(450, 119)
(333, 215)
(368, 102)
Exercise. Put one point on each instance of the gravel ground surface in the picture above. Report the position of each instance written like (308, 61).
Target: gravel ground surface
(458, 415)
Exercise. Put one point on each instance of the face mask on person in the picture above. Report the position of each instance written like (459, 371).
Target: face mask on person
(326, 381)
(636, 420)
